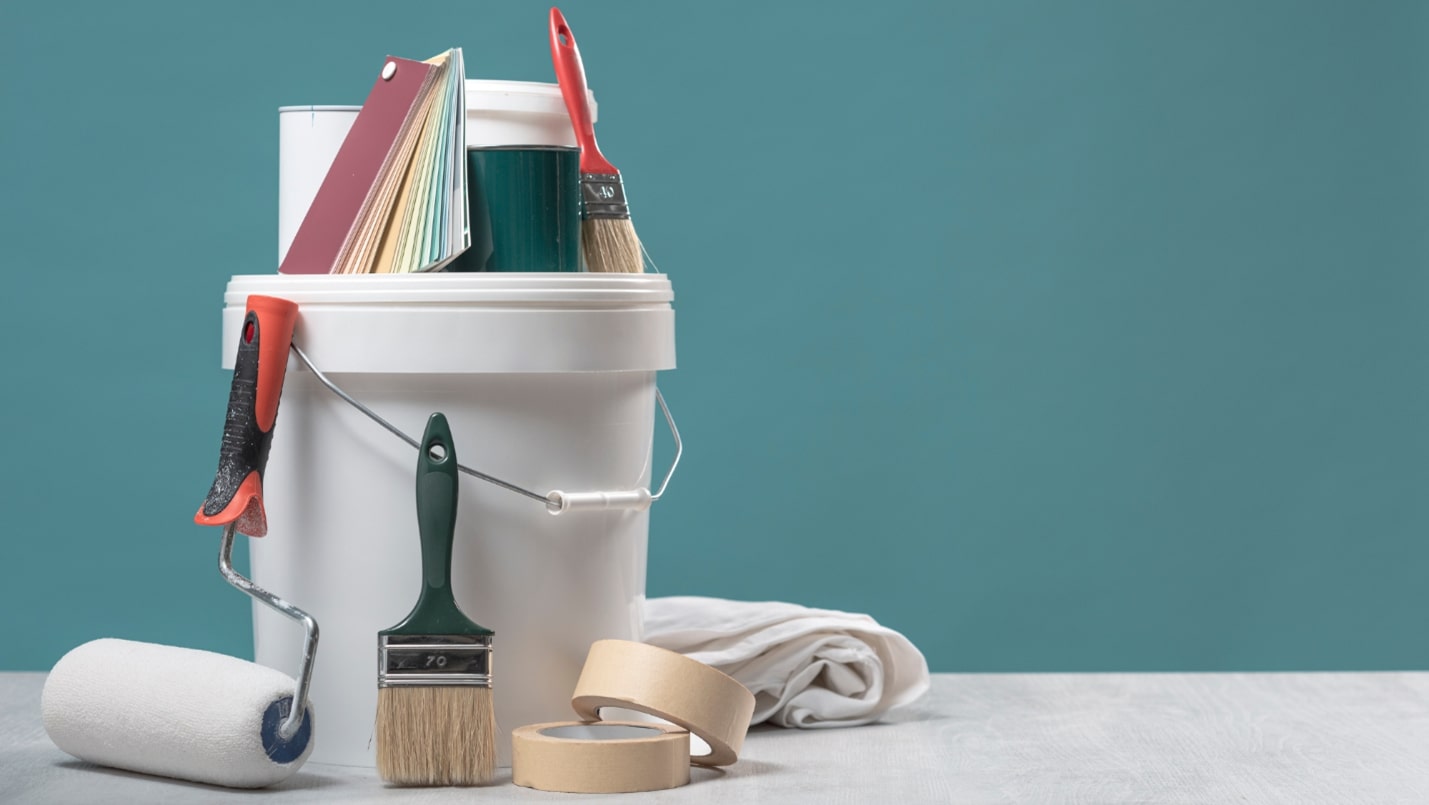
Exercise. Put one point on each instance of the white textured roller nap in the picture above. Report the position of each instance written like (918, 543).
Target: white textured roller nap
(175, 712)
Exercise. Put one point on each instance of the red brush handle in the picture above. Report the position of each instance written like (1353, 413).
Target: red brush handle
(570, 74)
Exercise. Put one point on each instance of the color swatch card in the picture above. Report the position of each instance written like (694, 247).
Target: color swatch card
(394, 200)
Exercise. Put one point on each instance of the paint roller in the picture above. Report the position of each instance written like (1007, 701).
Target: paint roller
(191, 714)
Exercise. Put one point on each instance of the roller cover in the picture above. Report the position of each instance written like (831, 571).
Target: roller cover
(175, 712)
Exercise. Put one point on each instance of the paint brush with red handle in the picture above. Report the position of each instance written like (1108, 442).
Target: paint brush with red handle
(608, 239)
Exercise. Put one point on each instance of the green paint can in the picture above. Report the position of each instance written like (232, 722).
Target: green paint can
(525, 210)
(523, 179)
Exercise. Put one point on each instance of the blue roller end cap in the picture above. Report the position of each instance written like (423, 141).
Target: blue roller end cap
(285, 750)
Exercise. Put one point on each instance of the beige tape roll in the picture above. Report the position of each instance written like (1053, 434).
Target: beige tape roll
(635, 676)
(600, 757)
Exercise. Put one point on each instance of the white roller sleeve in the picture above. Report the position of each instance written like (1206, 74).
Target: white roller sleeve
(175, 712)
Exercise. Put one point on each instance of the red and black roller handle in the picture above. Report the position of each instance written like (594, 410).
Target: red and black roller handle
(237, 492)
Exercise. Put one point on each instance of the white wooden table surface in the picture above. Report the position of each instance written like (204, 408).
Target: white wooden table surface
(1025, 738)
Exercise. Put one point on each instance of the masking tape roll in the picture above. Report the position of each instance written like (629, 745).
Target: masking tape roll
(661, 683)
(600, 757)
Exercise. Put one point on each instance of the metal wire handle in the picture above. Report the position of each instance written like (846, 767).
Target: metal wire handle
(556, 502)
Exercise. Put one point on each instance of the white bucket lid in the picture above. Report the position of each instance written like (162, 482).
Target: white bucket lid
(318, 108)
(516, 113)
(470, 323)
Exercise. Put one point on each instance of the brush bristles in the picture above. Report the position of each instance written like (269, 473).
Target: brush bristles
(610, 245)
(436, 735)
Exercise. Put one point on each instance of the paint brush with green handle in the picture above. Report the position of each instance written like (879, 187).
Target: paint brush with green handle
(435, 719)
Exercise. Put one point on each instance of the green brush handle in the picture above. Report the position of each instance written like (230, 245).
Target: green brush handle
(436, 612)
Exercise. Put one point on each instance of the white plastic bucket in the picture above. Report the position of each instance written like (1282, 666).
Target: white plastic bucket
(548, 381)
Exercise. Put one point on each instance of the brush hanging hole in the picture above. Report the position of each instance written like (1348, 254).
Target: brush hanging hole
(437, 452)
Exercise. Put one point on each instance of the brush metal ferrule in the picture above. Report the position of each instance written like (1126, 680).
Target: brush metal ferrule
(433, 660)
(603, 196)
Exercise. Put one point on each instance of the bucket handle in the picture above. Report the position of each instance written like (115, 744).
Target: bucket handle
(556, 501)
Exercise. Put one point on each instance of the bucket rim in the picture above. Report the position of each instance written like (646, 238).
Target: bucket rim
(513, 288)
(318, 108)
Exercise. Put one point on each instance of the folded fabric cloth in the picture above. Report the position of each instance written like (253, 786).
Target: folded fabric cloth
(806, 667)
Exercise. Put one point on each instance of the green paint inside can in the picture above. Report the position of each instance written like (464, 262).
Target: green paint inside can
(525, 210)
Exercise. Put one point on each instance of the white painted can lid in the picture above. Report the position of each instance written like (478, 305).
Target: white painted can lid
(517, 113)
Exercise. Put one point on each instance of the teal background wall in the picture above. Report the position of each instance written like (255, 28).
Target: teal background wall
(1061, 336)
